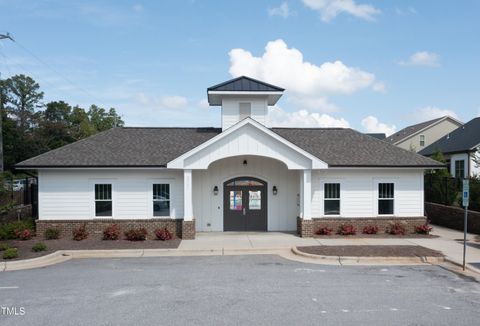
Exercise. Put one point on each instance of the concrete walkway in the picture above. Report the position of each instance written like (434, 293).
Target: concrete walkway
(446, 243)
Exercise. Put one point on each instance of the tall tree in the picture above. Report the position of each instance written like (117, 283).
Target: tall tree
(23, 96)
(103, 120)
(54, 125)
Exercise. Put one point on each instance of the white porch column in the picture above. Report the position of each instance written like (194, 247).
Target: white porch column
(187, 195)
(306, 199)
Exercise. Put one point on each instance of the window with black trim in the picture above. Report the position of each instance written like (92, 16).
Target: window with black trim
(459, 169)
(161, 199)
(331, 199)
(386, 198)
(103, 199)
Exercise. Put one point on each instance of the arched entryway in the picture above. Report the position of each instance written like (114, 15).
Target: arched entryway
(245, 204)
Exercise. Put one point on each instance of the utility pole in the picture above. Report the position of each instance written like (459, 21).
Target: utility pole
(6, 36)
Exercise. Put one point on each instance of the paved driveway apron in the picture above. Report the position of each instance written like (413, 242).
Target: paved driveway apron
(236, 290)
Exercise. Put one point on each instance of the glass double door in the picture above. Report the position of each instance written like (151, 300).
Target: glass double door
(245, 205)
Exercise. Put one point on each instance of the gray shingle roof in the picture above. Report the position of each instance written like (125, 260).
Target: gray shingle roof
(463, 139)
(377, 135)
(245, 84)
(155, 147)
(410, 130)
(349, 148)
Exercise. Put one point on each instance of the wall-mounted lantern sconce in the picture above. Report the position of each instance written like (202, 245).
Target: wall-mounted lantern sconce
(245, 162)
(215, 190)
(275, 190)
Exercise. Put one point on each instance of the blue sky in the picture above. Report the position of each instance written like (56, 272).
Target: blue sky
(371, 65)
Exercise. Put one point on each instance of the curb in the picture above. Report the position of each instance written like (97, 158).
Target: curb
(460, 264)
(349, 260)
(60, 256)
(50, 259)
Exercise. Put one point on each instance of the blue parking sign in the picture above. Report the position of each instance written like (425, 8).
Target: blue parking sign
(466, 191)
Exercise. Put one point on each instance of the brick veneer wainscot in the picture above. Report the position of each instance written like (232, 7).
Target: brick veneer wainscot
(181, 229)
(307, 228)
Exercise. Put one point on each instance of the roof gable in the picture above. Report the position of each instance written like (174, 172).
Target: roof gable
(409, 131)
(245, 84)
(465, 138)
(248, 137)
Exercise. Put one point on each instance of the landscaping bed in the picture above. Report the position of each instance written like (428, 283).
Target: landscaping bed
(25, 247)
(376, 236)
(371, 251)
(18, 240)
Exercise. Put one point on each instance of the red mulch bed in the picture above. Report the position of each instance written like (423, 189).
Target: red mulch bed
(25, 247)
(371, 251)
(378, 236)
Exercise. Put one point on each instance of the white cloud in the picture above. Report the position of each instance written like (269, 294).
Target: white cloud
(372, 125)
(329, 9)
(173, 102)
(432, 112)
(286, 67)
(203, 104)
(282, 10)
(422, 58)
(316, 104)
(303, 118)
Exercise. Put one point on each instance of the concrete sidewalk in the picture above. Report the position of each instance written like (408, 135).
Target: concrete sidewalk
(446, 243)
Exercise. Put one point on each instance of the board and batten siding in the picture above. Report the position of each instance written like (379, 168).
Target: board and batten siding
(359, 191)
(282, 208)
(231, 110)
(69, 194)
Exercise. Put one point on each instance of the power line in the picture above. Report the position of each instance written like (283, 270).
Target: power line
(57, 72)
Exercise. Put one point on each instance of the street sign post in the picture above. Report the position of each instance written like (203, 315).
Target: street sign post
(465, 197)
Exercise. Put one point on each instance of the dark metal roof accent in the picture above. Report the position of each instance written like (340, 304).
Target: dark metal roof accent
(410, 130)
(245, 84)
(463, 139)
(155, 147)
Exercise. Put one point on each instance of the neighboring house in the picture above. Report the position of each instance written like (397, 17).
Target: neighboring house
(421, 135)
(460, 148)
(241, 177)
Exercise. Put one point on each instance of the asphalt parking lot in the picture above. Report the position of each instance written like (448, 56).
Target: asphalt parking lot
(235, 290)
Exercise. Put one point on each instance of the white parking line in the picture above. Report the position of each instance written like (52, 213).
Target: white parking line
(8, 287)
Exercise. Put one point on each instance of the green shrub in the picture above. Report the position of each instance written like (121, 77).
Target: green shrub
(39, 246)
(52, 234)
(7, 230)
(4, 246)
(10, 253)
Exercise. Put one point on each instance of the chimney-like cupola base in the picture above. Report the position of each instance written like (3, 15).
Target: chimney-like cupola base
(243, 97)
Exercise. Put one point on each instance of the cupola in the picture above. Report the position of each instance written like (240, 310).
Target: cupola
(243, 97)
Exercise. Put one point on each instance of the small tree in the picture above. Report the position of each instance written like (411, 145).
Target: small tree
(440, 187)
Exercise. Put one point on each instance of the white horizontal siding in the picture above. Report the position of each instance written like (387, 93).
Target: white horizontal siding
(358, 194)
(69, 194)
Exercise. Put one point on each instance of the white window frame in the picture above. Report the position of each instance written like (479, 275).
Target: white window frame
(322, 185)
(92, 200)
(377, 201)
(150, 201)
(422, 140)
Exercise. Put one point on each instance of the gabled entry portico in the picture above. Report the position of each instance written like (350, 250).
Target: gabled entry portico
(251, 154)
